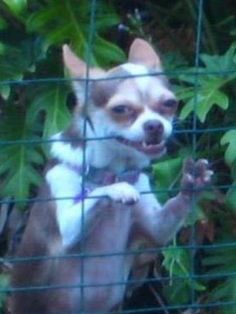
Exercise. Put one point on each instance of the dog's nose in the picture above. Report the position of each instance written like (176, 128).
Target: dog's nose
(153, 127)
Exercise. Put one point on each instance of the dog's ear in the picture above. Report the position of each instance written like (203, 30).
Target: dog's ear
(78, 69)
(141, 52)
(76, 66)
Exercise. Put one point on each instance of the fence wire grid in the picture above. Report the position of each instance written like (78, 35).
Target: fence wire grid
(194, 305)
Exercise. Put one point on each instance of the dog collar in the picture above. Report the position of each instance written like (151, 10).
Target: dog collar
(103, 177)
(94, 177)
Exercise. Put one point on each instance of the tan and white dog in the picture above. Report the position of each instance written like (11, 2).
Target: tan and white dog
(96, 223)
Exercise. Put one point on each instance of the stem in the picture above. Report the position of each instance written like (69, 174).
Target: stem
(193, 12)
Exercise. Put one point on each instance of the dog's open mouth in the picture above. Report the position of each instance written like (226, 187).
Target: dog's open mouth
(144, 146)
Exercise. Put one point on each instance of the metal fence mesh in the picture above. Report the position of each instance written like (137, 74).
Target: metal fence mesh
(195, 305)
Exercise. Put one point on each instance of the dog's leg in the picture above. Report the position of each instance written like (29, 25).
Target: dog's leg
(75, 220)
(161, 223)
(72, 213)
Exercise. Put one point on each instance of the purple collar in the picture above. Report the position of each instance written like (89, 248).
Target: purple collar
(105, 176)
(95, 177)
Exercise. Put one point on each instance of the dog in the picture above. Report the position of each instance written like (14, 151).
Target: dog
(81, 241)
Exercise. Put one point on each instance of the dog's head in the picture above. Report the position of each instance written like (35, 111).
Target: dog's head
(128, 102)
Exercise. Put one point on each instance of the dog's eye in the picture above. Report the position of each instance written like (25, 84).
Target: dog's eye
(121, 109)
(170, 103)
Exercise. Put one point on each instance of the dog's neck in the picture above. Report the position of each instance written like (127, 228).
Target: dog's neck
(98, 152)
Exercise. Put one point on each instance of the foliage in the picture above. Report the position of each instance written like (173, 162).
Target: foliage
(209, 86)
(177, 261)
(73, 26)
(28, 52)
(222, 261)
(4, 283)
(163, 173)
(31, 35)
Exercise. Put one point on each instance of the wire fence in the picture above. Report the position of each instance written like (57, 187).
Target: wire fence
(194, 304)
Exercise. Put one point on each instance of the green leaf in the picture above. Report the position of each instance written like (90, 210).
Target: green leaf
(230, 139)
(14, 62)
(177, 292)
(3, 23)
(4, 284)
(225, 292)
(210, 99)
(5, 90)
(72, 27)
(177, 262)
(16, 6)
(104, 50)
(207, 90)
(196, 214)
(203, 102)
(50, 100)
(223, 261)
(166, 174)
(220, 63)
(19, 162)
(231, 197)
(22, 176)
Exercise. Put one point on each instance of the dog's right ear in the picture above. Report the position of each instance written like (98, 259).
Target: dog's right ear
(77, 67)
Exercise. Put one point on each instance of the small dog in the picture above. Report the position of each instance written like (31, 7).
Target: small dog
(103, 219)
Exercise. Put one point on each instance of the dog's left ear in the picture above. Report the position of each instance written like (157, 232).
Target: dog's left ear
(141, 52)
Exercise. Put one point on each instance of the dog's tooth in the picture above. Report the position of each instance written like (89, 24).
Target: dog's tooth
(208, 176)
(209, 173)
(205, 161)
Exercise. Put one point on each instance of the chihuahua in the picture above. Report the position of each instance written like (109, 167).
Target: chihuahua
(76, 252)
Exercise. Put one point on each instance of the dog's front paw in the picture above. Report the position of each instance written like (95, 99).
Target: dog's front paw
(123, 192)
(196, 175)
